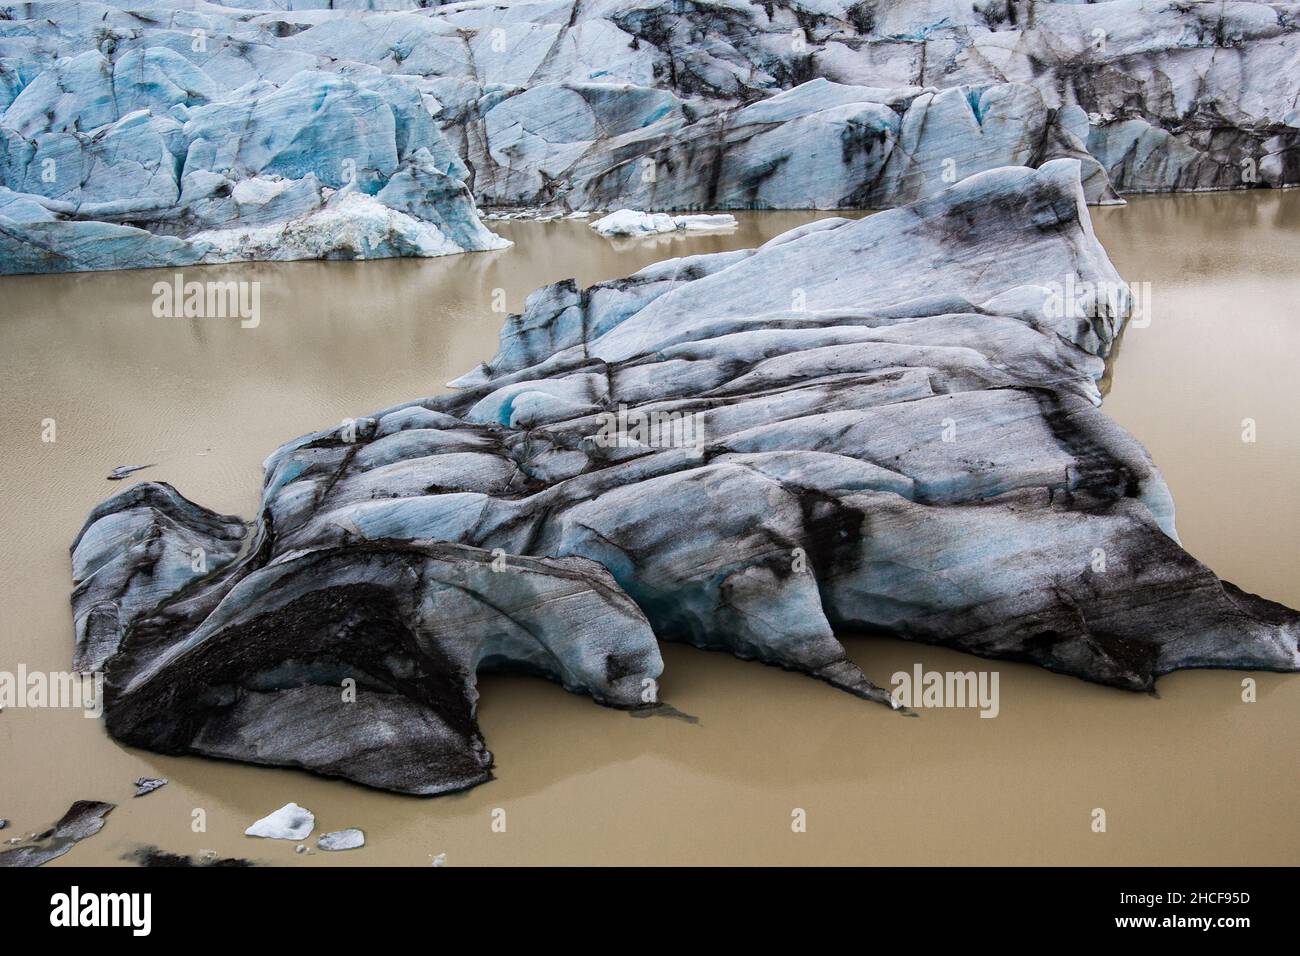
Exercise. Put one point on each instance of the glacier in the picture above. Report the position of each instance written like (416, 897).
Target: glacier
(145, 160)
(185, 131)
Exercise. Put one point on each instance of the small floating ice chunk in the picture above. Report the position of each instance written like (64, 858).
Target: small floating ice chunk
(706, 223)
(84, 819)
(145, 785)
(630, 222)
(290, 822)
(121, 471)
(349, 839)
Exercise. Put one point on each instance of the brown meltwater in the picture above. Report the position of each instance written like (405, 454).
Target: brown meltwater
(1194, 776)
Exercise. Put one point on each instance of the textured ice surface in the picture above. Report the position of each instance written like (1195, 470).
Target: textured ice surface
(886, 425)
(130, 155)
(84, 819)
(132, 136)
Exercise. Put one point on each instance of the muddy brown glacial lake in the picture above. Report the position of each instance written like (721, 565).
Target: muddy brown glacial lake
(1193, 776)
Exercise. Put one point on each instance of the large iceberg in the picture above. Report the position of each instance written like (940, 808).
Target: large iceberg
(167, 132)
(887, 425)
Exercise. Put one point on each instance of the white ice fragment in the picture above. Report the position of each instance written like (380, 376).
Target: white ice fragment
(290, 822)
(349, 839)
(630, 222)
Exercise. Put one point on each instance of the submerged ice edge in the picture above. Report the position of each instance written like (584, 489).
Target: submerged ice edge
(745, 451)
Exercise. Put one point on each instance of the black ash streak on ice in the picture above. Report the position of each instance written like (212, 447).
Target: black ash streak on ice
(379, 560)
